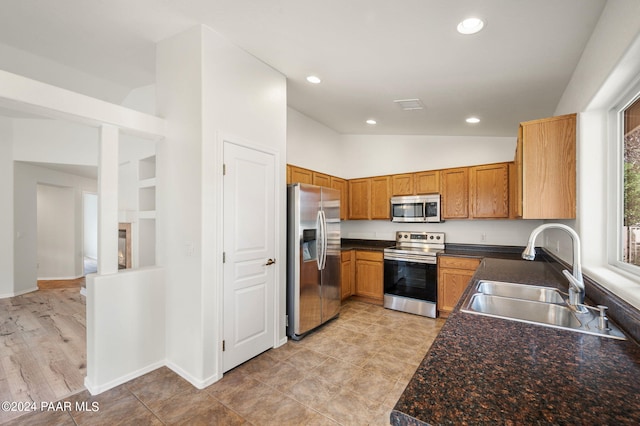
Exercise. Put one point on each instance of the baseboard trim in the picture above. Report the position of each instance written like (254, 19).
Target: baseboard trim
(96, 389)
(75, 277)
(18, 293)
(200, 384)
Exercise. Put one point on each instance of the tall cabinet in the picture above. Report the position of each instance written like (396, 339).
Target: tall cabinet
(546, 168)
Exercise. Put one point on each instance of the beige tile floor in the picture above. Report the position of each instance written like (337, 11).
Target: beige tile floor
(349, 372)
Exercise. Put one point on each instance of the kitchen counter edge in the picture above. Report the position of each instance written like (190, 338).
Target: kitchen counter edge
(485, 370)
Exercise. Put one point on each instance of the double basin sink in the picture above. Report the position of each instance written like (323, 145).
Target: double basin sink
(533, 304)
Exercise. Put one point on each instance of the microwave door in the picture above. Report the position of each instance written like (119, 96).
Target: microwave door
(408, 212)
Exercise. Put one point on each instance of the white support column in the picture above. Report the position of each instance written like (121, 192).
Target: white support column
(108, 200)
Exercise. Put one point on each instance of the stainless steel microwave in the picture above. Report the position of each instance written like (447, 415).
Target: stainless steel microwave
(416, 208)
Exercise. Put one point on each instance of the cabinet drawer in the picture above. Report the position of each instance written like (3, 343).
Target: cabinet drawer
(458, 262)
(374, 256)
(345, 255)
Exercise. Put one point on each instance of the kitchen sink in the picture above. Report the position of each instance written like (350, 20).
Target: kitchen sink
(523, 310)
(521, 291)
(532, 304)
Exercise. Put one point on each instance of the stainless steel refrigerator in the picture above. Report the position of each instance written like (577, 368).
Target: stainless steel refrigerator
(313, 257)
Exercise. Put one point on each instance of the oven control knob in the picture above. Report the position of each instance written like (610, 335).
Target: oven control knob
(431, 237)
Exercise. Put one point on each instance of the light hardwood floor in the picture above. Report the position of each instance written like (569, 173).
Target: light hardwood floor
(349, 372)
(42, 346)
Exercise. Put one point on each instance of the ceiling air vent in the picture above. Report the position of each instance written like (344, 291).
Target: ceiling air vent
(409, 104)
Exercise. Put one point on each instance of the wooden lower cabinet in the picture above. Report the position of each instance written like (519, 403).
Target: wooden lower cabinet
(369, 275)
(454, 274)
(347, 274)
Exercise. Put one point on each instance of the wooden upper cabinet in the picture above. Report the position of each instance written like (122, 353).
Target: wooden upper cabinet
(546, 156)
(454, 185)
(489, 191)
(321, 179)
(380, 194)
(402, 184)
(342, 186)
(427, 182)
(360, 198)
(299, 175)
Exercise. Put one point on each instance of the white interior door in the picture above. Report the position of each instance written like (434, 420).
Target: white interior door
(249, 244)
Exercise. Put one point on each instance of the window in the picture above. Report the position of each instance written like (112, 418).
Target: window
(630, 237)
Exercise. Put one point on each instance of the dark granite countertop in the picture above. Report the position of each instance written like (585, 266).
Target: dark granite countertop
(482, 251)
(371, 245)
(483, 370)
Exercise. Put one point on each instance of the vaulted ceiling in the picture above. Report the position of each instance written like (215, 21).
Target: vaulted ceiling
(367, 53)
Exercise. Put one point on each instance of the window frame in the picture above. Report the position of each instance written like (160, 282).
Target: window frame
(616, 188)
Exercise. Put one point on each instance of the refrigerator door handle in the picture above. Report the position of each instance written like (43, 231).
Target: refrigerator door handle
(319, 240)
(325, 239)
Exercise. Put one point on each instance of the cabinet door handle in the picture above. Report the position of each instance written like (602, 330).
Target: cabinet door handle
(270, 262)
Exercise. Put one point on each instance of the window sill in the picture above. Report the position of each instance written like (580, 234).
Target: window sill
(624, 285)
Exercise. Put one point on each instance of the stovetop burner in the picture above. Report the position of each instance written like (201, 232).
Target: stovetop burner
(415, 246)
(419, 241)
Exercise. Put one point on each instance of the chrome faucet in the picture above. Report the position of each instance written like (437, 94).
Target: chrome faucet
(576, 283)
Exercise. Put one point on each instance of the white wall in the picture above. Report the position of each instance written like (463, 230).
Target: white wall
(609, 66)
(126, 325)
(142, 99)
(207, 88)
(313, 145)
(90, 225)
(372, 155)
(55, 73)
(178, 91)
(244, 101)
(6, 213)
(56, 232)
(54, 141)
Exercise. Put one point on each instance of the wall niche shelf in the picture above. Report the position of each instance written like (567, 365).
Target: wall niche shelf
(147, 211)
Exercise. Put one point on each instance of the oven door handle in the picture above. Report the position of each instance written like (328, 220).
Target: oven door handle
(430, 260)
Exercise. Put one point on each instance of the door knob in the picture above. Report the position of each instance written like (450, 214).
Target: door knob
(270, 262)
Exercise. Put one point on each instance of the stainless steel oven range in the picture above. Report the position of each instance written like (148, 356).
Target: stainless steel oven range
(411, 274)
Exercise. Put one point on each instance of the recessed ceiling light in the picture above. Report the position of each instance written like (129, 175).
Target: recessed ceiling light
(371, 121)
(470, 26)
(313, 79)
(472, 120)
